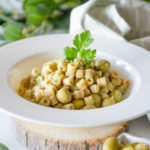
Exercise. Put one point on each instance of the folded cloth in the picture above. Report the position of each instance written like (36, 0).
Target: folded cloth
(120, 19)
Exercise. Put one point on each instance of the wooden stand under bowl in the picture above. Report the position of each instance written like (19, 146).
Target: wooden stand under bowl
(44, 137)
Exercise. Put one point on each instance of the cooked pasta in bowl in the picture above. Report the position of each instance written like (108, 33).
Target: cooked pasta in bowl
(74, 85)
(81, 85)
(77, 82)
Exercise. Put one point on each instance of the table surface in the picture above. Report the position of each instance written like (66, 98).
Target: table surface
(139, 127)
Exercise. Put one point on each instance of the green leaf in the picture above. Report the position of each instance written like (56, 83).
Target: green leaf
(35, 2)
(83, 40)
(35, 15)
(87, 55)
(3, 147)
(12, 32)
(10, 20)
(70, 53)
(147, 1)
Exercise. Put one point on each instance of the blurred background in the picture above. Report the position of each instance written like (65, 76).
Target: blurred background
(25, 18)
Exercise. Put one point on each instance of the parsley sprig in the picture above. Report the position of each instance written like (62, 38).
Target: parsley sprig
(81, 43)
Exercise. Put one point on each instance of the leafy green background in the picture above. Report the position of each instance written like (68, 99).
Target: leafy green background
(26, 18)
(3, 147)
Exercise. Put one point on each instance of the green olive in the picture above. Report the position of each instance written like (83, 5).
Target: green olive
(97, 100)
(128, 148)
(78, 104)
(111, 144)
(129, 145)
(108, 101)
(141, 146)
(102, 65)
(117, 96)
(59, 105)
(64, 96)
(120, 146)
(89, 107)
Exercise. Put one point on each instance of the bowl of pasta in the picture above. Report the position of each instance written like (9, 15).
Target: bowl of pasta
(94, 81)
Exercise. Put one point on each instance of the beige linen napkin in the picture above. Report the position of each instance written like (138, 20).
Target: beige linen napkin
(120, 19)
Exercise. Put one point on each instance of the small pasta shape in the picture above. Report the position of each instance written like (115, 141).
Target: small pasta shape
(38, 92)
(89, 81)
(94, 88)
(104, 89)
(53, 100)
(57, 82)
(52, 65)
(71, 69)
(123, 88)
(116, 82)
(50, 90)
(80, 73)
(101, 81)
(89, 100)
(68, 81)
(29, 93)
(124, 81)
(98, 73)
(21, 91)
(104, 95)
(68, 106)
(62, 65)
(25, 82)
(87, 92)
(50, 76)
(114, 75)
(45, 101)
(79, 94)
(58, 75)
(35, 72)
(81, 84)
(39, 79)
(88, 73)
(110, 86)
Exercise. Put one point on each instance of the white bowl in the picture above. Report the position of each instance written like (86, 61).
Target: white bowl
(18, 58)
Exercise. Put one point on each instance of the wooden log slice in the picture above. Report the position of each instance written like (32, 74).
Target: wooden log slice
(45, 137)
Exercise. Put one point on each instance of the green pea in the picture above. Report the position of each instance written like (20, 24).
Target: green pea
(89, 107)
(78, 104)
(107, 102)
(64, 96)
(97, 100)
(117, 96)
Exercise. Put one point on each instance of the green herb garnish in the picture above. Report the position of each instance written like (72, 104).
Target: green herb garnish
(81, 42)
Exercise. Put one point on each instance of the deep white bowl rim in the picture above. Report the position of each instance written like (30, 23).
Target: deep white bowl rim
(137, 57)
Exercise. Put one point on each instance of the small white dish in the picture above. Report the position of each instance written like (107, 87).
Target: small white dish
(125, 138)
(18, 58)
